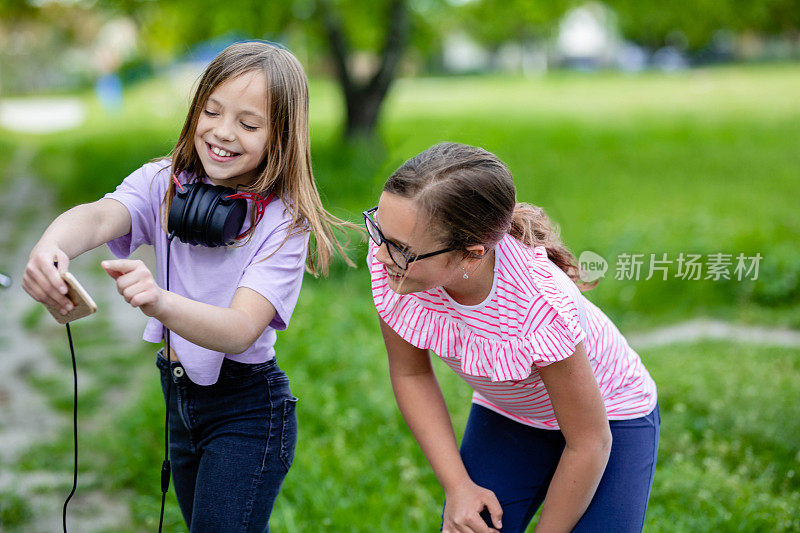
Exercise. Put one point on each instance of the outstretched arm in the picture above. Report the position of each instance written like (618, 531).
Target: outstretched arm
(582, 418)
(423, 407)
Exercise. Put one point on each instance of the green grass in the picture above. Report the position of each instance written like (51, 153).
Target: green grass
(6, 153)
(700, 162)
(14, 510)
(727, 458)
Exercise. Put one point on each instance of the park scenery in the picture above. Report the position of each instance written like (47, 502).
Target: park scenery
(665, 145)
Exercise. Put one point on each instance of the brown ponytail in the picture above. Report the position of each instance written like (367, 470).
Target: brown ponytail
(531, 226)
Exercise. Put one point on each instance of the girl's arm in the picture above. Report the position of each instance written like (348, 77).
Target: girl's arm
(87, 226)
(581, 414)
(72, 233)
(423, 407)
(223, 329)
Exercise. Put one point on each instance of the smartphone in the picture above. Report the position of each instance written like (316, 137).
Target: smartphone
(82, 302)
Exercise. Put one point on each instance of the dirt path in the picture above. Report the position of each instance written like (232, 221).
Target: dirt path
(706, 329)
(26, 418)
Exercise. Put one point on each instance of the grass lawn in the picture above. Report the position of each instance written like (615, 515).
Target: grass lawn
(728, 459)
(702, 162)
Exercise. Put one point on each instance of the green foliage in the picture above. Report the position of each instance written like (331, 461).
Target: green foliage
(699, 20)
(17, 9)
(171, 26)
(495, 22)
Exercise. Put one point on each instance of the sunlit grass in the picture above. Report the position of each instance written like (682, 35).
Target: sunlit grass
(704, 95)
(727, 455)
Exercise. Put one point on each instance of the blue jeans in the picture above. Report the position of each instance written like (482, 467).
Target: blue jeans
(231, 444)
(517, 463)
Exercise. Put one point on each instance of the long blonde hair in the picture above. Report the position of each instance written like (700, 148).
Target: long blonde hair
(470, 194)
(286, 167)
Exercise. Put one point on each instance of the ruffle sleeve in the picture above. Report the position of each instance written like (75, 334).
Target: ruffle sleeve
(557, 339)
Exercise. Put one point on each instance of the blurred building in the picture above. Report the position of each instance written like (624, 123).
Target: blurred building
(588, 38)
(461, 54)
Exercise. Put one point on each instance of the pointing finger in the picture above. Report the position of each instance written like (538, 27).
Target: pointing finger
(117, 267)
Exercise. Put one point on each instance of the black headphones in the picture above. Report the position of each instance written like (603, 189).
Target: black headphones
(211, 215)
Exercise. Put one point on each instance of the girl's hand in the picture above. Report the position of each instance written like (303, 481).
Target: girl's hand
(136, 284)
(463, 507)
(42, 279)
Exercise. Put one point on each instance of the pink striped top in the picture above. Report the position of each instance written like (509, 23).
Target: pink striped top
(535, 315)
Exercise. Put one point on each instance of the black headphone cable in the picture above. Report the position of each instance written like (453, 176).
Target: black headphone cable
(74, 427)
(165, 466)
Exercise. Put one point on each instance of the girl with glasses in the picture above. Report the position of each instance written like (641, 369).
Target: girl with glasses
(564, 413)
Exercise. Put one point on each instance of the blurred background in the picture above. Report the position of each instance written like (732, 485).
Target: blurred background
(663, 135)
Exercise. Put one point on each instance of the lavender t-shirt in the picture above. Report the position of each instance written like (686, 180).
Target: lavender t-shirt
(212, 275)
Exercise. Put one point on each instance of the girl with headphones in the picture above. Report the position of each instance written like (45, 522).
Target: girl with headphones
(233, 427)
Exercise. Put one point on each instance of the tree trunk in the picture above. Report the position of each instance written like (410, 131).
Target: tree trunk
(363, 100)
(363, 108)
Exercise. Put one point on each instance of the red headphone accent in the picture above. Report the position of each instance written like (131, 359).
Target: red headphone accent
(259, 201)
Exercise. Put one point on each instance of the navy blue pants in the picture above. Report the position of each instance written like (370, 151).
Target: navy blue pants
(517, 462)
(231, 444)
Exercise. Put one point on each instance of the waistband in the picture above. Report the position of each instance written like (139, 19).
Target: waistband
(230, 369)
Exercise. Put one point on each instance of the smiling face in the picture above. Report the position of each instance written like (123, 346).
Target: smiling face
(231, 135)
(401, 222)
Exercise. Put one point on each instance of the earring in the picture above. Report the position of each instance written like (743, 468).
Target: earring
(466, 276)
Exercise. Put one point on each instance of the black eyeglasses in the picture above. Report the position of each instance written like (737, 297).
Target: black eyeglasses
(400, 258)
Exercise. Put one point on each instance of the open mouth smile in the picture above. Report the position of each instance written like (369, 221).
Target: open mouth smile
(392, 275)
(218, 154)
